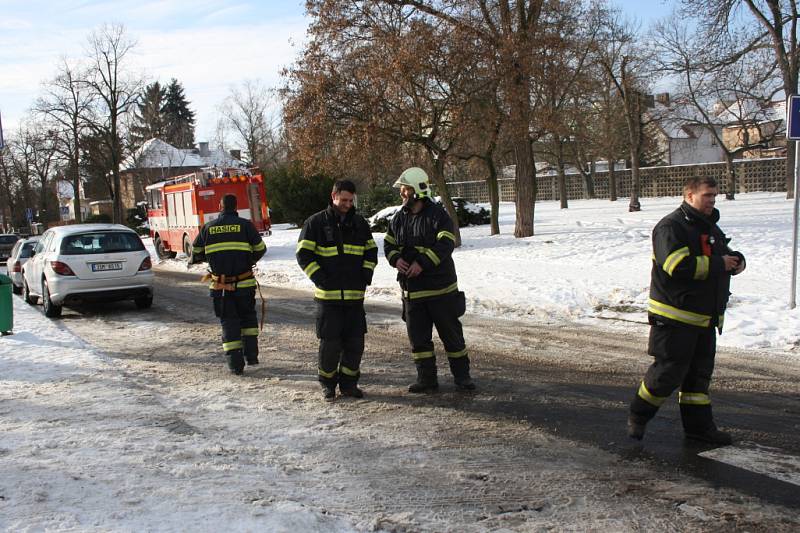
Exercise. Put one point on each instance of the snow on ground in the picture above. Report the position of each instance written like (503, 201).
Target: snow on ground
(591, 264)
(92, 450)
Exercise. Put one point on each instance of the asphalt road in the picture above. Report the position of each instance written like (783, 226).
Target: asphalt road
(570, 381)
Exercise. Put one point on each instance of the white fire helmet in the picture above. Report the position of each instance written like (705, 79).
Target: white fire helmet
(417, 178)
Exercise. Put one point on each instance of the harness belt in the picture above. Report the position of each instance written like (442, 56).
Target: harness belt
(222, 282)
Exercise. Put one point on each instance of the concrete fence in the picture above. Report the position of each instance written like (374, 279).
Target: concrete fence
(768, 175)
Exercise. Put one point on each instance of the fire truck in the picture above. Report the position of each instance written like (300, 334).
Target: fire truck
(178, 208)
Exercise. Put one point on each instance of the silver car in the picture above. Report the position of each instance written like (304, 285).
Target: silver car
(88, 263)
(19, 256)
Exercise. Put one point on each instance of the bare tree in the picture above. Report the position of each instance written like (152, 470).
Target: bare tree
(563, 83)
(41, 141)
(67, 102)
(482, 128)
(512, 30)
(719, 96)
(737, 27)
(251, 113)
(627, 65)
(8, 187)
(116, 90)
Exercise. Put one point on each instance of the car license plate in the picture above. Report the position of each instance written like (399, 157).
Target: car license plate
(102, 267)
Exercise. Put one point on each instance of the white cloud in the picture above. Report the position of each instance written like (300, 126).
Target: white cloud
(209, 63)
(15, 24)
(207, 60)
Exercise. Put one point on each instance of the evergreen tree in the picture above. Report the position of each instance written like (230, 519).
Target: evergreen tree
(178, 118)
(148, 116)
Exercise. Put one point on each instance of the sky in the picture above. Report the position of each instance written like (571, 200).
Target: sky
(208, 45)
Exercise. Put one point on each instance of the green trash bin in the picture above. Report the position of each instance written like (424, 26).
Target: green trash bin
(6, 305)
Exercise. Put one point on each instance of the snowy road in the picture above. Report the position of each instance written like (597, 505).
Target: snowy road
(126, 420)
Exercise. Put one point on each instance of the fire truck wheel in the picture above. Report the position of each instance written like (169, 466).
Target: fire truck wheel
(160, 251)
(187, 247)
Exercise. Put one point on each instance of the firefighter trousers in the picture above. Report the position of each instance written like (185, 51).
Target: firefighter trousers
(340, 329)
(236, 311)
(443, 312)
(684, 357)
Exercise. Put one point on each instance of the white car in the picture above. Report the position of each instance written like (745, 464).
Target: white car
(19, 256)
(88, 263)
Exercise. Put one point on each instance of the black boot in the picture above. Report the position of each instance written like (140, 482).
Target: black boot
(353, 392)
(348, 384)
(328, 393)
(235, 361)
(426, 377)
(459, 366)
(698, 424)
(641, 412)
(636, 427)
(328, 387)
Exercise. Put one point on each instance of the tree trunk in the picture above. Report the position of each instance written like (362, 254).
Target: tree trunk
(730, 176)
(494, 196)
(76, 176)
(525, 182)
(441, 185)
(634, 204)
(588, 181)
(562, 179)
(612, 180)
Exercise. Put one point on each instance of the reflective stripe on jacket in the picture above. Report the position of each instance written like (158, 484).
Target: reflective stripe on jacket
(338, 254)
(231, 245)
(426, 237)
(688, 283)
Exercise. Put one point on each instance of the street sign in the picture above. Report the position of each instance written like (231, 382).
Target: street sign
(29, 214)
(793, 118)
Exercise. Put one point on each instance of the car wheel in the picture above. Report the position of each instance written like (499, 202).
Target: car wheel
(187, 247)
(51, 310)
(15, 289)
(162, 252)
(26, 294)
(144, 302)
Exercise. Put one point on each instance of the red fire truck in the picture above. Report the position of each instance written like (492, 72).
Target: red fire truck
(178, 208)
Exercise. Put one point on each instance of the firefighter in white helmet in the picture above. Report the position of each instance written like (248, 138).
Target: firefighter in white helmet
(419, 243)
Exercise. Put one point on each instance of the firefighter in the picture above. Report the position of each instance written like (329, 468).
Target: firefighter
(419, 244)
(231, 245)
(689, 288)
(336, 251)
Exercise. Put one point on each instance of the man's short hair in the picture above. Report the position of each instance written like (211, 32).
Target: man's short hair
(229, 202)
(694, 183)
(344, 185)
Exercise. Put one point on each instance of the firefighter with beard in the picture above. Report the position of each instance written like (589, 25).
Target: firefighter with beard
(419, 244)
(232, 245)
(689, 289)
(336, 251)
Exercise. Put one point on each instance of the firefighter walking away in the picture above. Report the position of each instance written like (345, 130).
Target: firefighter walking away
(232, 245)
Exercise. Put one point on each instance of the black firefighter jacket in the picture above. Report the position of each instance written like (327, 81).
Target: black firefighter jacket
(338, 255)
(427, 238)
(231, 245)
(689, 285)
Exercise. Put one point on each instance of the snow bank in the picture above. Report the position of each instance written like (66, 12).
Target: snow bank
(591, 264)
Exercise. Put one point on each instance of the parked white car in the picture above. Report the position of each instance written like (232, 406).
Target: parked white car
(20, 254)
(88, 262)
